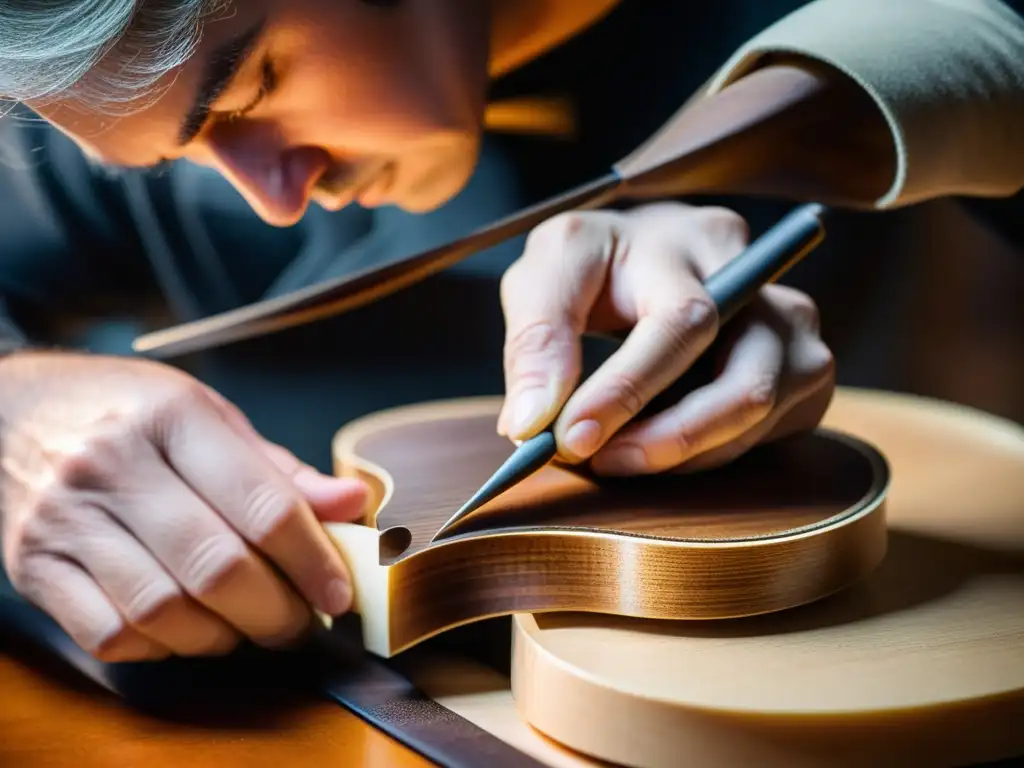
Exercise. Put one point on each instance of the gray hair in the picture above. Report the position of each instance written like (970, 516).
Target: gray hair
(103, 54)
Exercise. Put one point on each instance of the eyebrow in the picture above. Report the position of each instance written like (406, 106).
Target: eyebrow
(221, 68)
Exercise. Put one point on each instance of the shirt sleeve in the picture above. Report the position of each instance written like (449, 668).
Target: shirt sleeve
(67, 237)
(948, 75)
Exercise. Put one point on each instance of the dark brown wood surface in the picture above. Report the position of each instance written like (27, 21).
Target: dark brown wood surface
(436, 465)
(785, 525)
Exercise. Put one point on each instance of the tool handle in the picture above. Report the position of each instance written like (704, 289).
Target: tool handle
(737, 283)
(765, 260)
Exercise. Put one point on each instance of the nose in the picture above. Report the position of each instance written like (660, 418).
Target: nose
(277, 182)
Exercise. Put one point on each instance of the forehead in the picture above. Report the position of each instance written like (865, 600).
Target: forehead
(145, 130)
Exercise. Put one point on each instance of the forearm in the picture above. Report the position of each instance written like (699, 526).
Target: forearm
(948, 76)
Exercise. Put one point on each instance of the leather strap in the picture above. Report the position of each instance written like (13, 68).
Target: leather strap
(374, 691)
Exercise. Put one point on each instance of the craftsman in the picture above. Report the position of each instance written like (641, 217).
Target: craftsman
(292, 142)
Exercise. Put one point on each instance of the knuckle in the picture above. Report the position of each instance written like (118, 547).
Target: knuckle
(723, 223)
(531, 351)
(758, 396)
(799, 310)
(698, 314)
(625, 392)
(22, 570)
(819, 362)
(267, 509)
(571, 232)
(693, 320)
(182, 396)
(213, 563)
(561, 229)
(153, 601)
(684, 444)
(511, 280)
(92, 459)
(530, 339)
(89, 463)
(43, 526)
(805, 313)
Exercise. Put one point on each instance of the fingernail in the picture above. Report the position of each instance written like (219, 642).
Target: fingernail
(337, 597)
(621, 461)
(529, 408)
(582, 438)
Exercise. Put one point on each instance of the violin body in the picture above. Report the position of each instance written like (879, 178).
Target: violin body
(786, 525)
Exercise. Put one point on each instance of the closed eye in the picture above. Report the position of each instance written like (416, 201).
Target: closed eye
(268, 82)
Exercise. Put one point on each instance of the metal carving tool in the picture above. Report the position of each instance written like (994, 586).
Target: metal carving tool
(732, 287)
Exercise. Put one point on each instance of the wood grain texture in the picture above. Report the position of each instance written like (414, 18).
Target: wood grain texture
(920, 664)
(786, 525)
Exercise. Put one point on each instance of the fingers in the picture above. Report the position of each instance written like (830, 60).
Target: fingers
(259, 501)
(741, 398)
(68, 594)
(209, 558)
(333, 499)
(547, 296)
(778, 379)
(799, 411)
(677, 322)
(149, 600)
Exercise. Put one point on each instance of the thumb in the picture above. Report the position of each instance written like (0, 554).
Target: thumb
(547, 296)
(333, 499)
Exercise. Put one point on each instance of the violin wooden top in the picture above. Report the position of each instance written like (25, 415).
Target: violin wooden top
(920, 663)
(436, 455)
(785, 525)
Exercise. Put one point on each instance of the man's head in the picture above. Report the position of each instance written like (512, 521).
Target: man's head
(334, 100)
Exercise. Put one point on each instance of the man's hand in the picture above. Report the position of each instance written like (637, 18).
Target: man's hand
(642, 272)
(144, 513)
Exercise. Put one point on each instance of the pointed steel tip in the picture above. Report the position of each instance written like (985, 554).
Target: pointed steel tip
(440, 533)
(465, 510)
(529, 456)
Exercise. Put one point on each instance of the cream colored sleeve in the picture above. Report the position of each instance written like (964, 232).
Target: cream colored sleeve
(947, 74)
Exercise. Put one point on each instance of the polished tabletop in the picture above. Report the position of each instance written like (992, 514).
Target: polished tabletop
(54, 717)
